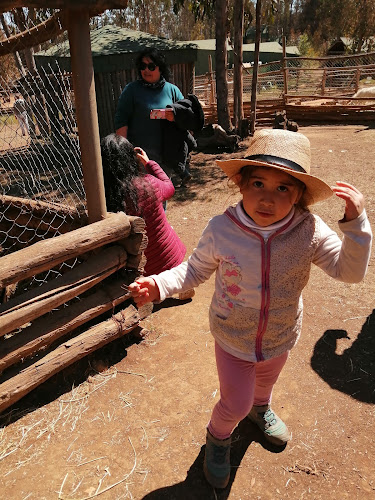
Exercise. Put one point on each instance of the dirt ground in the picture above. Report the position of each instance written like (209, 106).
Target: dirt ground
(130, 421)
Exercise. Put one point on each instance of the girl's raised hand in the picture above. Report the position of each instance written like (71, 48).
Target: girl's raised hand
(142, 156)
(354, 200)
(144, 290)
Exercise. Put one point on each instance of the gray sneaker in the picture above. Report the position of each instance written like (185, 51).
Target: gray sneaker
(216, 466)
(274, 429)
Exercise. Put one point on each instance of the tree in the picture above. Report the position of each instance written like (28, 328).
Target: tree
(327, 20)
(220, 8)
(238, 22)
(16, 55)
(222, 103)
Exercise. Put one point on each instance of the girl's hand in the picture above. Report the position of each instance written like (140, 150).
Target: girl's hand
(354, 200)
(144, 290)
(142, 156)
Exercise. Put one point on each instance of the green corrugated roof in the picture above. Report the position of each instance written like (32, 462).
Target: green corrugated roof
(271, 47)
(112, 40)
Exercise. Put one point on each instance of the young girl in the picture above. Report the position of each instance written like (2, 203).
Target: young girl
(262, 250)
(138, 186)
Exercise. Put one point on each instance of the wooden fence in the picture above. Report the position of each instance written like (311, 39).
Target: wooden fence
(308, 89)
(40, 330)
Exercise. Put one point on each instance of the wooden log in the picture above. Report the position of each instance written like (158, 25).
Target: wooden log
(42, 207)
(66, 354)
(138, 224)
(49, 328)
(38, 301)
(46, 254)
(135, 243)
(136, 262)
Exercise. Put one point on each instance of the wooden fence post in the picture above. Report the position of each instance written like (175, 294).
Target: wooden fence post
(211, 82)
(87, 115)
(285, 72)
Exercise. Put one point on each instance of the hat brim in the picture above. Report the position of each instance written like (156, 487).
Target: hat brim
(316, 189)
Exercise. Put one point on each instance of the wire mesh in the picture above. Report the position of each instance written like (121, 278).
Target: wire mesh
(41, 181)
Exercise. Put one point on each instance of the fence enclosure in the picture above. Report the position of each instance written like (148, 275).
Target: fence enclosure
(301, 85)
(63, 281)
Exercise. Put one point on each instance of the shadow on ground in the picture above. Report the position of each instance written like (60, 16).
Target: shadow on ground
(353, 371)
(195, 485)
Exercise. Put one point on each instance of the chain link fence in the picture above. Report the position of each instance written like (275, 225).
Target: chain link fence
(41, 183)
(298, 77)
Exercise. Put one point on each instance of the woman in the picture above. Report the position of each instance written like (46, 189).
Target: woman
(138, 186)
(152, 90)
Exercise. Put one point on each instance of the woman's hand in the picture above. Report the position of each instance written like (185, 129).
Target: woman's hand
(144, 290)
(142, 156)
(169, 115)
(354, 200)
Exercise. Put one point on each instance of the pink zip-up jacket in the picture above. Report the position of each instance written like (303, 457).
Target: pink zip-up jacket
(256, 309)
(164, 249)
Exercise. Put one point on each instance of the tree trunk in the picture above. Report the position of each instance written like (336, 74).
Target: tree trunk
(255, 67)
(16, 55)
(223, 115)
(237, 76)
(20, 19)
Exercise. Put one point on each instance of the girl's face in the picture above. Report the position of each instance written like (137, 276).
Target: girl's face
(150, 75)
(269, 195)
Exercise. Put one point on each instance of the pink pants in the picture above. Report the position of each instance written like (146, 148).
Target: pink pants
(242, 385)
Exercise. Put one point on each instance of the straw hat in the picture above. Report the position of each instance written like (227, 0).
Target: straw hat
(283, 150)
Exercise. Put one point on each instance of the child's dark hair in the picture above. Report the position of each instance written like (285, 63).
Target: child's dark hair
(247, 171)
(156, 57)
(123, 175)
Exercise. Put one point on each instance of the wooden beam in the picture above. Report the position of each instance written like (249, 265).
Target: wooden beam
(48, 329)
(38, 301)
(86, 112)
(66, 354)
(99, 5)
(46, 254)
(34, 36)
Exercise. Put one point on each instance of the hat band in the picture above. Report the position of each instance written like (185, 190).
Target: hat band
(276, 160)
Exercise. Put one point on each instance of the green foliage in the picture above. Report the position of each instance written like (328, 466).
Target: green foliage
(201, 9)
(305, 46)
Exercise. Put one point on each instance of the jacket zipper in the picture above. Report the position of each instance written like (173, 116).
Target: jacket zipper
(265, 271)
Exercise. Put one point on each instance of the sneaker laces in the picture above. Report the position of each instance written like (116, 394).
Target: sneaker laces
(269, 417)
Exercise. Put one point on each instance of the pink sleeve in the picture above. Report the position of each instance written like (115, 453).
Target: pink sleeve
(160, 179)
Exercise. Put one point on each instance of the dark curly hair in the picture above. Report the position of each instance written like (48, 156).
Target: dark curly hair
(156, 57)
(123, 176)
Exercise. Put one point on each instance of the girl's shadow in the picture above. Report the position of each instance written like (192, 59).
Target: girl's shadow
(353, 371)
(195, 485)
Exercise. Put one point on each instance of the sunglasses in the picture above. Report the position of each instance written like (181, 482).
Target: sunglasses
(151, 66)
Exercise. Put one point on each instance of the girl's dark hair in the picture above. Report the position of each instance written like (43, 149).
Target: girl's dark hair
(247, 171)
(156, 57)
(123, 175)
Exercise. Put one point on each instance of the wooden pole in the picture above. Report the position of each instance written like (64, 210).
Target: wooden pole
(255, 67)
(211, 87)
(285, 70)
(86, 111)
(323, 82)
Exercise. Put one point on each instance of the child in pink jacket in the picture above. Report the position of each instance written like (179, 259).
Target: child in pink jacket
(139, 186)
